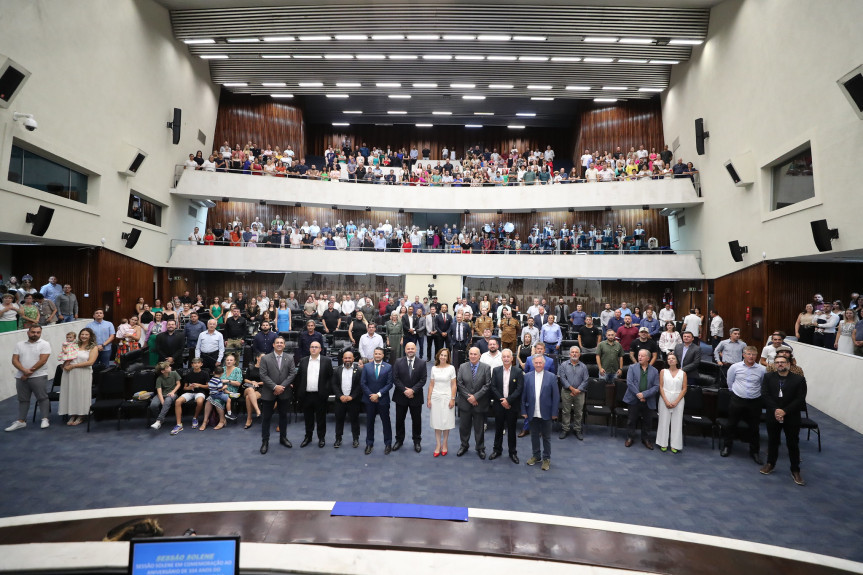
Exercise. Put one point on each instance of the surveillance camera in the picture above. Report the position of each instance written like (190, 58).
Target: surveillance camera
(29, 121)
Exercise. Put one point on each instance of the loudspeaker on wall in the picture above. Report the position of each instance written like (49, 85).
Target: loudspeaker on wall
(737, 250)
(40, 220)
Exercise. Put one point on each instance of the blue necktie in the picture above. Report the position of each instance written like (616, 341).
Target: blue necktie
(473, 369)
(377, 370)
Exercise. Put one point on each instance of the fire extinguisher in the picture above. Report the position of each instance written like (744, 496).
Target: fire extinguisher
(748, 313)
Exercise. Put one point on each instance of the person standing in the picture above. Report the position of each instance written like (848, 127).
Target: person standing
(409, 378)
(211, 346)
(170, 345)
(473, 384)
(369, 342)
(312, 387)
(540, 401)
(717, 329)
(642, 387)
(784, 396)
(573, 380)
(394, 336)
(8, 313)
(692, 323)
(346, 387)
(410, 327)
(191, 332)
(443, 321)
(666, 314)
(744, 381)
(729, 351)
(689, 354)
(588, 336)
(31, 378)
(441, 400)
(278, 373)
(609, 356)
(507, 385)
(460, 338)
(551, 336)
(672, 388)
(509, 330)
(376, 382)
(104, 331)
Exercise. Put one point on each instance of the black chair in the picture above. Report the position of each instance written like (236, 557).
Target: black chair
(621, 410)
(588, 358)
(723, 402)
(595, 402)
(110, 394)
(709, 375)
(809, 425)
(143, 380)
(52, 395)
(694, 415)
(133, 357)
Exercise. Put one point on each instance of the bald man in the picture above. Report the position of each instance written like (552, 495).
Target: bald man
(409, 378)
(473, 384)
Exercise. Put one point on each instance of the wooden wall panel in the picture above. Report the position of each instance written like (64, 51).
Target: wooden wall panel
(735, 292)
(259, 119)
(625, 124)
(225, 212)
(435, 138)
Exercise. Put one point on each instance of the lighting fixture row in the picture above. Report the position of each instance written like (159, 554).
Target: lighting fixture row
(432, 37)
(494, 58)
(510, 126)
(456, 86)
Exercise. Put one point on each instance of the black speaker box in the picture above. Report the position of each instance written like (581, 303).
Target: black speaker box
(737, 250)
(175, 125)
(132, 238)
(822, 235)
(12, 78)
(40, 220)
(700, 136)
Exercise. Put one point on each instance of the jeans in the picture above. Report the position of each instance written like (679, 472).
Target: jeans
(105, 357)
(539, 426)
(68, 319)
(166, 406)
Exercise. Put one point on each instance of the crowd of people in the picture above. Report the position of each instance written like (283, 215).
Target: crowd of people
(489, 239)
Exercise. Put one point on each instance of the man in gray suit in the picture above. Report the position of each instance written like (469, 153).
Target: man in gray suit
(689, 355)
(473, 384)
(277, 372)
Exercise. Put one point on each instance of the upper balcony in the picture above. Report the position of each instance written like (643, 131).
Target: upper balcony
(666, 193)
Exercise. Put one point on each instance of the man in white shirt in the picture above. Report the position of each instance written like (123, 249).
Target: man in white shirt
(348, 306)
(209, 165)
(592, 174)
(549, 154)
(534, 309)
(369, 341)
(492, 358)
(641, 152)
(263, 301)
(666, 314)
(768, 354)
(195, 237)
(586, 160)
(313, 385)
(191, 164)
(717, 329)
(607, 174)
(692, 323)
(31, 378)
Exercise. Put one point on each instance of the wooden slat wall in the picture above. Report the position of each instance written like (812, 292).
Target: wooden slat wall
(134, 278)
(435, 138)
(247, 212)
(735, 292)
(624, 124)
(261, 120)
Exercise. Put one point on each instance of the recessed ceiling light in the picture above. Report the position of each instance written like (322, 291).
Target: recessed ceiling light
(243, 40)
(341, 124)
(502, 58)
(273, 84)
(685, 42)
(631, 61)
(494, 38)
(541, 98)
(601, 39)
(400, 96)
(308, 56)
(501, 86)
(337, 96)
(441, 113)
(388, 37)
(637, 40)
(423, 37)
(351, 37)
(578, 88)
(315, 38)
(529, 38)
(348, 84)
(279, 38)
(437, 57)
(650, 89)
(461, 37)
(458, 85)
(469, 57)
(403, 57)
(533, 58)
(515, 127)
(473, 125)
(565, 59)
(281, 95)
(388, 85)
(200, 41)
(235, 84)
(370, 57)
(311, 84)
(275, 56)
(603, 100)
(615, 88)
(539, 87)
(214, 57)
(483, 113)
(338, 56)
(672, 62)
(526, 114)
(473, 97)
(396, 112)
(424, 85)
(599, 60)
(424, 125)
(352, 112)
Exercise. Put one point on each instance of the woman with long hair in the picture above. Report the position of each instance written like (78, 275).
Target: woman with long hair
(672, 388)
(76, 384)
(441, 400)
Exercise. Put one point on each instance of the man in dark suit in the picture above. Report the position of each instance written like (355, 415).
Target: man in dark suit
(459, 338)
(548, 365)
(409, 378)
(642, 387)
(443, 322)
(507, 384)
(376, 382)
(346, 387)
(473, 383)
(312, 385)
(410, 327)
(689, 354)
(540, 401)
(541, 318)
(277, 373)
(784, 396)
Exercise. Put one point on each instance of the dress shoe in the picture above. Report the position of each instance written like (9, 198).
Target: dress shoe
(388, 449)
(286, 442)
(532, 461)
(461, 451)
(356, 443)
(767, 469)
(726, 451)
(546, 464)
(481, 453)
(514, 458)
(563, 434)
(321, 443)
(368, 449)
(494, 455)
(648, 445)
(443, 452)
(418, 447)
(628, 442)
(798, 479)
(397, 445)
(579, 436)
(338, 443)
(756, 457)
(265, 447)
(436, 454)
(306, 441)
(524, 433)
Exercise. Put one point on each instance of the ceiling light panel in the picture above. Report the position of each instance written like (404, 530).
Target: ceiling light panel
(424, 85)
(315, 38)
(199, 41)
(279, 38)
(459, 37)
(494, 38)
(348, 84)
(529, 38)
(423, 37)
(351, 37)
(388, 85)
(273, 84)
(388, 37)
(371, 57)
(243, 40)
(601, 39)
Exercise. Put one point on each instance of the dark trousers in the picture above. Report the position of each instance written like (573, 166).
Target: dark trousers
(209, 360)
(410, 338)
(471, 418)
(350, 409)
(540, 429)
(440, 341)
(749, 411)
(431, 340)
(375, 409)
(505, 419)
(416, 422)
(267, 416)
(639, 411)
(315, 413)
(792, 440)
(459, 353)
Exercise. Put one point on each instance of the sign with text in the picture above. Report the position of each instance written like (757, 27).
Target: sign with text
(185, 556)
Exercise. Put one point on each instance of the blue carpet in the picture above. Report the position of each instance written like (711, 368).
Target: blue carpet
(65, 468)
(354, 509)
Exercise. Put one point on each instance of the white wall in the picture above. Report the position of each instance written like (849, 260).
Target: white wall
(833, 383)
(106, 75)
(448, 286)
(765, 82)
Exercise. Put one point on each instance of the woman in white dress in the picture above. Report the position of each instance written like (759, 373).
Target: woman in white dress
(669, 338)
(76, 387)
(672, 388)
(845, 333)
(441, 401)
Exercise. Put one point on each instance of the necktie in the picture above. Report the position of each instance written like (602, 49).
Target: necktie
(473, 369)
(459, 332)
(411, 366)
(279, 361)
(377, 370)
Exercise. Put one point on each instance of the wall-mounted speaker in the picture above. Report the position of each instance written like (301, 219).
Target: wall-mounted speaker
(737, 250)
(175, 124)
(823, 235)
(700, 136)
(40, 220)
(741, 168)
(132, 238)
(13, 76)
(851, 85)
(130, 159)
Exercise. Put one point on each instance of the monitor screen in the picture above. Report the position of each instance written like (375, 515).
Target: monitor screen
(184, 555)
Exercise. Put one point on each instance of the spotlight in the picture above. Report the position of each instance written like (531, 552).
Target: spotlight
(533, 211)
(467, 212)
(263, 202)
(500, 212)
(645, 207)
(226, 199)
(401, 210)
(607, 208)
(335, 207)
(368, 208)
(298, 205)
(571, 210)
